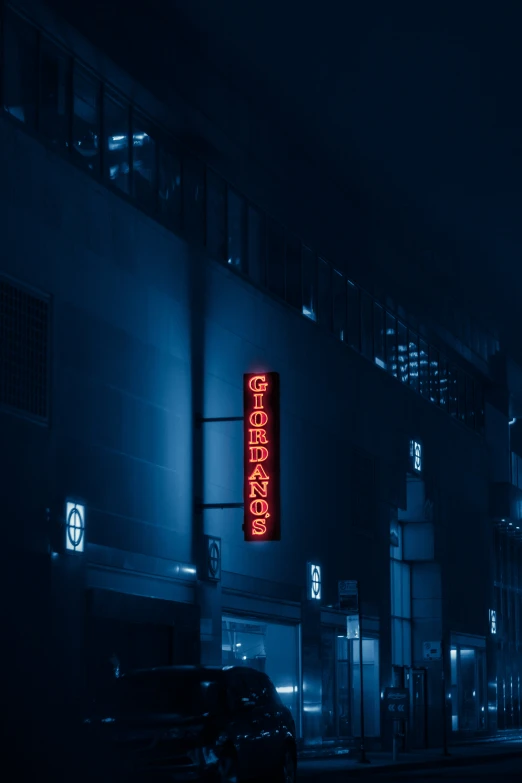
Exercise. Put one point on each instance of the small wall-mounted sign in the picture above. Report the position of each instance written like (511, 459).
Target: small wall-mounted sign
(416, 456)
(493, 621)
(432, 651)
(213, 559)
(314, 581)
(348, 591)
(74, 527)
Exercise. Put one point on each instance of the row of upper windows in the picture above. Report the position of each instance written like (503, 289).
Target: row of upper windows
(46, 90)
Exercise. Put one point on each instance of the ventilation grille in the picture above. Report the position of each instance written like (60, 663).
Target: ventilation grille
(24, 351)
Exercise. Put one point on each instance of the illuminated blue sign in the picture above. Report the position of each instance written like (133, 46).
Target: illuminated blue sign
(74, 527)
(416, 456)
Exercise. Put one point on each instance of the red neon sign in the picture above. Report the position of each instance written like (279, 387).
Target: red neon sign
(261, 444)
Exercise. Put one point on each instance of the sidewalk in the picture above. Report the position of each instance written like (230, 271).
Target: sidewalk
(476, 751)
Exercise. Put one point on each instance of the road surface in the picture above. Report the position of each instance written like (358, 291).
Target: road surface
(505, 771)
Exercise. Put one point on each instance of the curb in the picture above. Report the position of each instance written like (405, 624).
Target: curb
(404, 766)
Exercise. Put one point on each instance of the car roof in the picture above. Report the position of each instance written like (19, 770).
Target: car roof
(186, 669)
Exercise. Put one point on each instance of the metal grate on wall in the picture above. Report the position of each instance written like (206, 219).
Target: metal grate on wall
(24, 351)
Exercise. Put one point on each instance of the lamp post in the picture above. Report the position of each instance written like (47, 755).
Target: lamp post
(362, 758)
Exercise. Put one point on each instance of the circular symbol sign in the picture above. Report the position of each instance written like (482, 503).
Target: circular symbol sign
(316, 582)
(75, 528)
(213, 558)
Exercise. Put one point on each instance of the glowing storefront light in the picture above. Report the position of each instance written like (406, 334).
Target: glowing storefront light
(74, 527)
(261, 447)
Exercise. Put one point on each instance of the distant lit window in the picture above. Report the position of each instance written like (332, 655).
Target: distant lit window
(309, 283)
(144, 164)
(117, 150)
(493, 621)
(85, 146)
(416, 456)
(74, 527)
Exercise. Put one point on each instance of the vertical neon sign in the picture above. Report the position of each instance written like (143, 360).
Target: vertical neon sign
(261, 449)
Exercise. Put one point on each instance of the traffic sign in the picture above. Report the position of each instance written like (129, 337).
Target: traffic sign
(432, 651)
(396, 703)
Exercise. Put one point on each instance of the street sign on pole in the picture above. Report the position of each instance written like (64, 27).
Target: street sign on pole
(348, 591)
(432, 651)
(396, 703)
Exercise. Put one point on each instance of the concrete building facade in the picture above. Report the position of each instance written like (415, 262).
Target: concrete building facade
(139, 285)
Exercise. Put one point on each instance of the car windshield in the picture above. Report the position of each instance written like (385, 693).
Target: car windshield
(182, 693)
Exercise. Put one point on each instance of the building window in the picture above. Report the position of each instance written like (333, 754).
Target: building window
(20, 69)
(424, 375)
(256, 246)
(443, 383)
(193, 189)
(372, 701)
(216, 216)
(55, 79)
(85, 146)
(294, 282)
(467, 689)
(272, 648)
(401, 613)
(403, 352)
(116, 118)
(341, 685)
(391, 344)
(379, 336)
(434, 375)
(24, 351)
(353, 316)
(324, 291)
(236, 221)
(309, 283)
(339, 305)
(169, 185)
(144, 164)
(470, 402)
(366, 325)
(276, 258)
(413, 359)
(452, 390)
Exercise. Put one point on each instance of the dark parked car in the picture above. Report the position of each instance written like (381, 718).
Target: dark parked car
(184, 723)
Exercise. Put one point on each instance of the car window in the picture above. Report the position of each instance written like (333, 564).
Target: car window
(273, 698)
(236, 688)
(256, 690)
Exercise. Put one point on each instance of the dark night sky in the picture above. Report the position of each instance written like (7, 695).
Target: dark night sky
(417, 103)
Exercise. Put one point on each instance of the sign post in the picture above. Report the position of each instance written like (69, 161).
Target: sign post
(348, 590)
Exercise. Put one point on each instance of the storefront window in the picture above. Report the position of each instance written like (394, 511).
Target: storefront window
(370, 686)
(272, 648)
(341, 685)
(467, 690)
